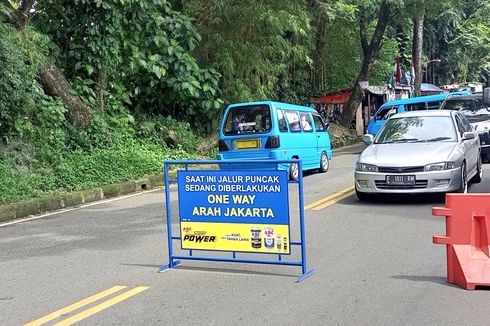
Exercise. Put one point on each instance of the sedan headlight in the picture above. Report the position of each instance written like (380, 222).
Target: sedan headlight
(366, 167)
(439, 166)
(483, 126)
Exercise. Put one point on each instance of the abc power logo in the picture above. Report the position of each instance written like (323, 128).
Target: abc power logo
(197, 236)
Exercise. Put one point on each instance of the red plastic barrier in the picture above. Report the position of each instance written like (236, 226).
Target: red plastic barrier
(467, 239)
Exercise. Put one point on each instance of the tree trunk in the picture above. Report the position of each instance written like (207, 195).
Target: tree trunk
(52, 80)
(54, 83)
(370, 51)
(418, 35)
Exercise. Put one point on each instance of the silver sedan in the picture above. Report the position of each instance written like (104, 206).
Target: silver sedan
(419, 151)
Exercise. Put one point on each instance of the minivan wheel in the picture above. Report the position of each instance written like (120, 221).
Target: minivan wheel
(293, 171)
(463, 188)
(324, 163)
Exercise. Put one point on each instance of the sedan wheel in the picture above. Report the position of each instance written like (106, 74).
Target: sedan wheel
(463, 188)
(479, 171)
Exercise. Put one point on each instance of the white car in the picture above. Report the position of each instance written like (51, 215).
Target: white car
(420, 151)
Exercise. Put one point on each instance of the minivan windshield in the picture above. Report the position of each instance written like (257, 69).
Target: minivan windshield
(248, 119)
(417, 129)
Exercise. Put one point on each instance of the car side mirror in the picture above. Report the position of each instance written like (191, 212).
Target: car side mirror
(486, 96)
(468, 135)
(368, 139)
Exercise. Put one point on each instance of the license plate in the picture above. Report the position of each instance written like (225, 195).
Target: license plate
(400, 180)
(247, 144)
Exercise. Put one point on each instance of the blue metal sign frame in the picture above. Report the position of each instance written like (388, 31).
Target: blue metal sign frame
(174, 259)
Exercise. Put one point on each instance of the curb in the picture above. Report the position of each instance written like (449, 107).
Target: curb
(73, 199)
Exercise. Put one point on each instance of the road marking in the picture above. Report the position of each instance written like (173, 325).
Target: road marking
(75, 306)
(333, 201)
(104, 305)
(330, 200)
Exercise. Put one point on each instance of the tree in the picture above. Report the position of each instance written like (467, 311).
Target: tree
(459, 36)
(261, 47)
(418, 37)
(52, 79)
(133, 53)
(370, 49)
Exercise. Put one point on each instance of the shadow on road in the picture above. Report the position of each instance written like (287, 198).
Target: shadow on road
(434, 279)
(423, 278)
(390, 199)
(399, 199)
(216, 270)
(235, 271)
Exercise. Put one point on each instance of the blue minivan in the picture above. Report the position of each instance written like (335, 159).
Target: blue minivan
(277, 131)
(430, 102)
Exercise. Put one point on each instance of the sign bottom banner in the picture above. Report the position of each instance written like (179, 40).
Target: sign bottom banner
(255, 238)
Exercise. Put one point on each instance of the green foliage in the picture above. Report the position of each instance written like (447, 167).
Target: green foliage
(142, 49)
(459, 37)
(168, 131)
(47, 133)
(255, 45)
(17, 185)
(81, 170)
(383, 67)
(341, 56)
(156, 77)
(16, 83)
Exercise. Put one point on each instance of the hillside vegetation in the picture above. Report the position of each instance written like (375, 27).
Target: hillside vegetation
(100, 91)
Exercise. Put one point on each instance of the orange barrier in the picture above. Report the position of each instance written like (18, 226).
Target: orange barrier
(467, 239)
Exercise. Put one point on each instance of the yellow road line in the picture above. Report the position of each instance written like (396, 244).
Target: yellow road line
(104, 305)
(330, 198)
(75, 306)
(333, 201)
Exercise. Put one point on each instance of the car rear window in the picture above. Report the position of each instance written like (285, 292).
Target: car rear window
(248, 119)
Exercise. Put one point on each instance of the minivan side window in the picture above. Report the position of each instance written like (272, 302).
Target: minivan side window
(387, 112)
(283, 125)
(293, 120)
(319, 125)
(306, 122)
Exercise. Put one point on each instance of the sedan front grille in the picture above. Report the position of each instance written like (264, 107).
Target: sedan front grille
(405, 169)
(419, 184)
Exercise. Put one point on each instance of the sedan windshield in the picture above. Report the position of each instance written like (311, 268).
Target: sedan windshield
(417, 129)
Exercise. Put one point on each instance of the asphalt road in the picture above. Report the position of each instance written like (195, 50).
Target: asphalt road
(374, 263)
